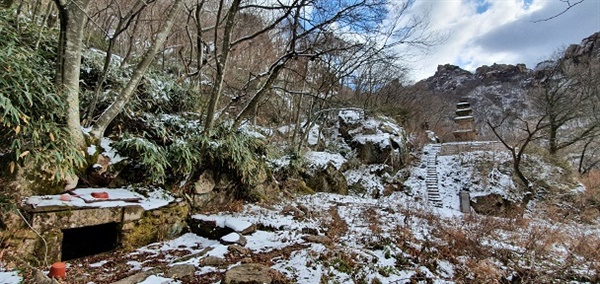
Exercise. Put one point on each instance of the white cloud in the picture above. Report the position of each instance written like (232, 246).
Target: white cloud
(504, 32)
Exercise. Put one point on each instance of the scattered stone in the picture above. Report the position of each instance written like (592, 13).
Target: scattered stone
(495, 205)
(212, 261)
(304, 209)
(324, 240)
(136, 278)
(41, 278)
(193, 255)
(311, 231)
(180, 271)
(329, 179)
(249, 273)
(234, 238)
(238, 250)
(242, 227)
(207, 228)
(293, 211)
(205, 184)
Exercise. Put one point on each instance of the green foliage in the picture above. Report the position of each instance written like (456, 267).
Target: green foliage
(184, 156)
(32, 122)
(236, 153)
(151, 157)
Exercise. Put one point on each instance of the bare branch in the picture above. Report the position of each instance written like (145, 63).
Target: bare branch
(569, 6)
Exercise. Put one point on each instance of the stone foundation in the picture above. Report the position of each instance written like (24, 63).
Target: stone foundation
(136, 226)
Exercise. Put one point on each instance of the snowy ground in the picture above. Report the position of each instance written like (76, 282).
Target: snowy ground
(399, 238)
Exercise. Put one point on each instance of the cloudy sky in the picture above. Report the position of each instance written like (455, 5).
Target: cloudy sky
(484, 32)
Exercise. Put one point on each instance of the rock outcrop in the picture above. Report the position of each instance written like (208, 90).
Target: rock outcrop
(249, 273)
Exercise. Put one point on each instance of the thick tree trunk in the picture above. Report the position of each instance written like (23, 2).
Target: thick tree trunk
(117, 106)
(72, 19)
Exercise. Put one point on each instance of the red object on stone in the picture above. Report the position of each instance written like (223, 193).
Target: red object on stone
(58, 270)
(100, 194)
(66, 197)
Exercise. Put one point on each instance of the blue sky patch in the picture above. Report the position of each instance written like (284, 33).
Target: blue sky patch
(483, 5)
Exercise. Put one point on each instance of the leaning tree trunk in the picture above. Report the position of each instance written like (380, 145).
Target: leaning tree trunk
(117, 106)
(221, 63)
(72, 20)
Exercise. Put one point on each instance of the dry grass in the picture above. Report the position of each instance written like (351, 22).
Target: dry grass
(490, 250)
(337, 226)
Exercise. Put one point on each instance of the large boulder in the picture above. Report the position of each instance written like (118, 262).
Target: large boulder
(375, 140)
(496, 205)
(250, 273)
(328, 179)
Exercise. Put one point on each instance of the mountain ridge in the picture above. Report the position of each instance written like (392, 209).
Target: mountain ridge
(497, 89)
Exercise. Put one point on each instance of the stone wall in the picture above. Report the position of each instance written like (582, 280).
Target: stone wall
(137, 227)
(461, 147)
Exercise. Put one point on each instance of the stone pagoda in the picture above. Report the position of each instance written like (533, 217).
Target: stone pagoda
(464, 121)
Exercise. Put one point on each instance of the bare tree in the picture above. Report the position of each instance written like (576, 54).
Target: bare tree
(570, 5)
(527, 133)
(567, 98)
(589, 156)
(125, 19)
(117, 106)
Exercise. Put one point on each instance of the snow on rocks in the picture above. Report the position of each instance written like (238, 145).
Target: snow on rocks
(320, 160)
(397, 238)
(248, 273)
(234, 238)
(232, 224)
(117, 197)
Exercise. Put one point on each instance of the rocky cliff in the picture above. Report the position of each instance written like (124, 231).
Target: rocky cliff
(499, 89)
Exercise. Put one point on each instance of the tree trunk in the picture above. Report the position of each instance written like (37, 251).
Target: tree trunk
(72, 18)
(221, 63)
(122, 26)
(552, 136)
(199, 44)
(117, 106)
(260, 93)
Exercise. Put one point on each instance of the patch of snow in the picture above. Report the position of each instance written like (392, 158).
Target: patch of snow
(10, 277)
(231, 238)
(109, 152)
(320, 160)
(135, 265)
(351, 116)
(153, 279)
(99, 264)
(252, 131)
(381, 139)
(314, 135)
(367, 177)
(91, 150)
(237, 225)
(280, 163)
(83, 198)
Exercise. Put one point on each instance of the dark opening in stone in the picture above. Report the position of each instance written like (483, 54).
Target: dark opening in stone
(85, 241)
